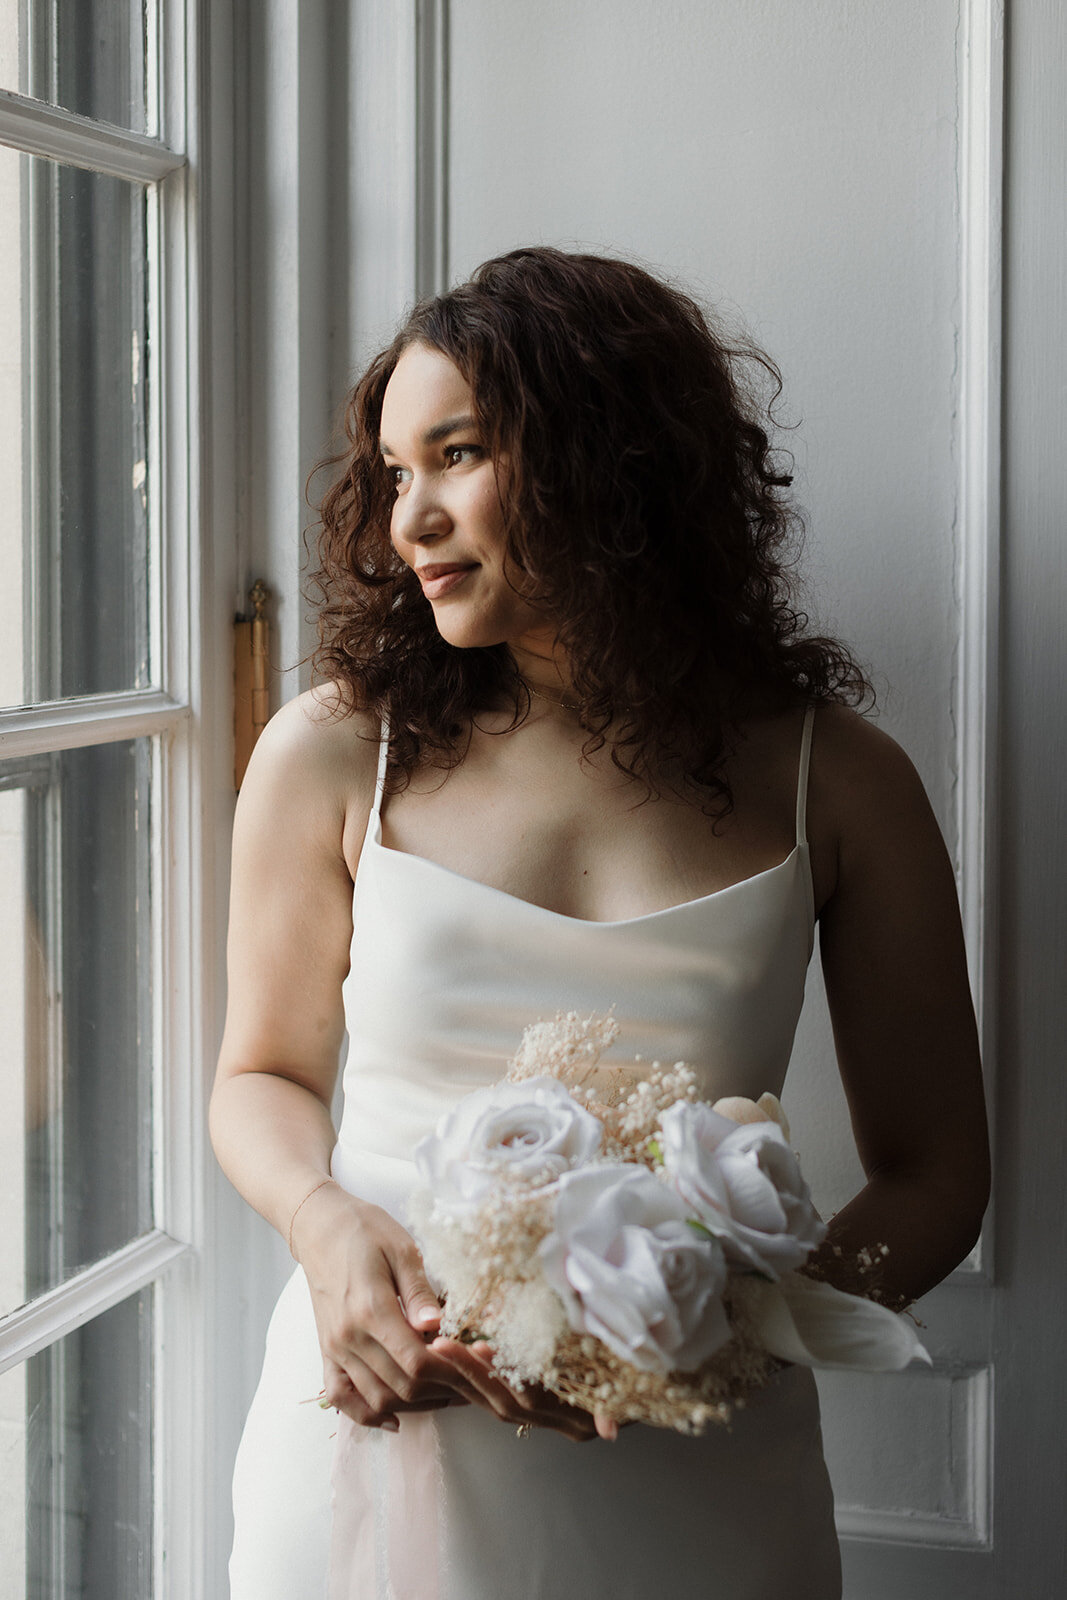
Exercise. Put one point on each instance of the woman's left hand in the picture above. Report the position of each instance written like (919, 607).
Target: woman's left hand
(532, 1406)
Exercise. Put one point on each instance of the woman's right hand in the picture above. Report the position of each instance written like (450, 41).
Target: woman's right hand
(374, 1311)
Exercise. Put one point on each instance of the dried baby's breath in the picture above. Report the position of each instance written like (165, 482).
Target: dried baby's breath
(568, 1048)
(628, 1103)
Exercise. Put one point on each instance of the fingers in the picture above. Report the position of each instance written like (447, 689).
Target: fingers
(420, 1305)
(475, 1378)
(375, 1310)
(356, 1391)
(394, 1363)
(532, 1405)
(370, 1292)
(340, 1393)
(386, 1386)
(362, 1398)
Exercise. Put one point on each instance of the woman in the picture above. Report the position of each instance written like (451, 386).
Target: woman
(616, 773)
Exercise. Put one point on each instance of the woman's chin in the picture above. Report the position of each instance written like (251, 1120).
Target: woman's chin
(466, 635)
(466, 629)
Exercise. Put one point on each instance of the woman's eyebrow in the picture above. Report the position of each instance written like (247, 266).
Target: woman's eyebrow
(439, 431)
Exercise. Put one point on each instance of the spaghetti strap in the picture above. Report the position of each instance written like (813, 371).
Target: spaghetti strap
(383, 761)
(802, 777)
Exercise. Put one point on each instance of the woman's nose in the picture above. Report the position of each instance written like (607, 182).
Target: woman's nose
(418, 514)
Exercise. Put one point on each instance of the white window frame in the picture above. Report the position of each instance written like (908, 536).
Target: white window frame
(192, 794)
(243, 132)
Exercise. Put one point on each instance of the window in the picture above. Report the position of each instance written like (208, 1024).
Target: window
(98, 1306)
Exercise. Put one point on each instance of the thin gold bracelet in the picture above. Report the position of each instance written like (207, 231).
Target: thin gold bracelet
(296, 1213)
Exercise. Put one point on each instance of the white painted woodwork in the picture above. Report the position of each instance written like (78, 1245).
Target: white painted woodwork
(95, 1289)
(386, 179)
(1029, 1311)
(13, 974)
(13, 1403)
(234, 1271)
(88, 720)
(191, 658)
(78, 142)
(432, 114)
(292, 304)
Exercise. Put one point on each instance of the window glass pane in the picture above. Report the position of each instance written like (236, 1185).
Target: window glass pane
(88, 56)
(74, 462)
(76, 1425)
(76, 997)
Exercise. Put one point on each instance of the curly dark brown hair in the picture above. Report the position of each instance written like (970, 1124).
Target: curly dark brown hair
(642, 505)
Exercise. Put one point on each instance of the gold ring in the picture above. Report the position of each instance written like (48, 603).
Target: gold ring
(523, 1430)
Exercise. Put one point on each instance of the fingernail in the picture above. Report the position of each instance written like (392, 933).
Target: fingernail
(425, 1315)
(390, 1424)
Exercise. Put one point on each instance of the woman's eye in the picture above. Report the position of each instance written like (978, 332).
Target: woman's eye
(455, 452)
(454, 455)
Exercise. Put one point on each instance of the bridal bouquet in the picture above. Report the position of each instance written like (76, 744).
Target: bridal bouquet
(627, 1245)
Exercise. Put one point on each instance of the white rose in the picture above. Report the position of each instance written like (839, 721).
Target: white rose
(744, 1184)
(631, 1271)
(534, 1129)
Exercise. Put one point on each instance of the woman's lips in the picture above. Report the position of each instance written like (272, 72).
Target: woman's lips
(440, 580)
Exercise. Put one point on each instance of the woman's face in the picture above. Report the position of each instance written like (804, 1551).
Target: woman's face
(447, 521)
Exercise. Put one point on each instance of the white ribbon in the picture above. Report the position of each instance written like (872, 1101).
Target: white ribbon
(814, 1325)
(386, 1537)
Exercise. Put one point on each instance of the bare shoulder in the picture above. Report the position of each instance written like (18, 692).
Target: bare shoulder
(291, 892)
(868, 805)
(859, 773)
(315, 760)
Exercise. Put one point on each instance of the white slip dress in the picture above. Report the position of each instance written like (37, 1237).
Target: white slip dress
(445, 974)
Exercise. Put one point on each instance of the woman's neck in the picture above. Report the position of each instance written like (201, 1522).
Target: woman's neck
(545, 670)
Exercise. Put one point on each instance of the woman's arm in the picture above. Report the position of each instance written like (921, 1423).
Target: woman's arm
(896, 979)
(290, 922)
(290, 930)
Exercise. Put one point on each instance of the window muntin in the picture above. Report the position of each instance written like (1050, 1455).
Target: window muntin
(76, 1053)
(76, 1515)
(94, 57)
(76, 573)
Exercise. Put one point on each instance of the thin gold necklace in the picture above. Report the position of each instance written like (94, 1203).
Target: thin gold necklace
(539, 694)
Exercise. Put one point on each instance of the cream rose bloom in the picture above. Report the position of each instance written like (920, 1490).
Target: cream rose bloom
(631, 1271)
(743, 1183)
(534, 1129)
